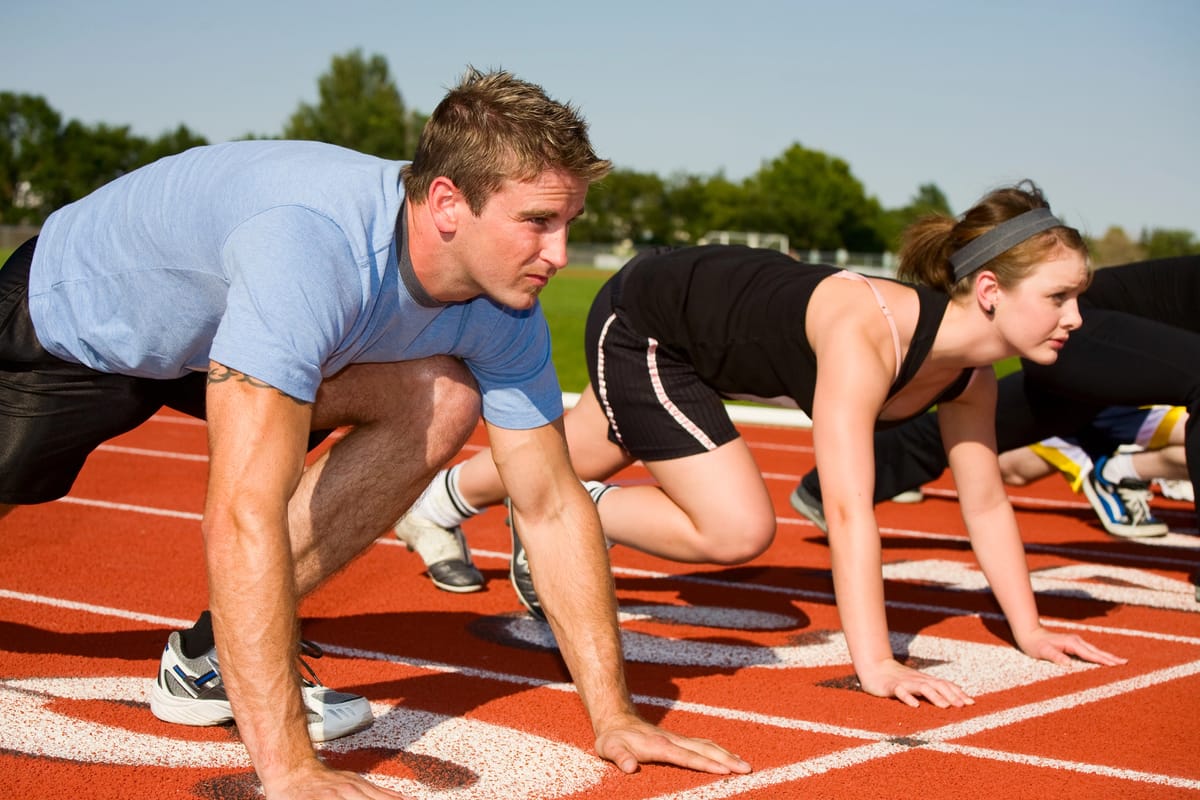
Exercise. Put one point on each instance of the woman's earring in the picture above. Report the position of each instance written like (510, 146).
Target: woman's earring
(991, 310)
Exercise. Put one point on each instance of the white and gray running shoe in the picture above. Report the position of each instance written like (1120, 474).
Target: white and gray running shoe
(444, 551)
(189, 691)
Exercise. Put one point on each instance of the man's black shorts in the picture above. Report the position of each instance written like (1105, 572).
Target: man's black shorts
(53, 413)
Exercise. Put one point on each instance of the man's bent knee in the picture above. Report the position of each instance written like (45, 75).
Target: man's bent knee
(438, 389)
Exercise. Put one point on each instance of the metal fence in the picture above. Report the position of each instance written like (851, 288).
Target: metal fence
(602, 256)
(607, 256)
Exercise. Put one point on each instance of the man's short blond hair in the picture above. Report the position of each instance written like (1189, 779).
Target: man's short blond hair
(494, 127)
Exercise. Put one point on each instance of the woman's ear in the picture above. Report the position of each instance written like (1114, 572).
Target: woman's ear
(987, 291)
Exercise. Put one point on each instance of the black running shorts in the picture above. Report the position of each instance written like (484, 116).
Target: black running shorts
(53, 413)
(658, 408)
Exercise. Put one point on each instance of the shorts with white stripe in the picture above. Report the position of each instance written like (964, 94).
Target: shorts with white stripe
(658, 408)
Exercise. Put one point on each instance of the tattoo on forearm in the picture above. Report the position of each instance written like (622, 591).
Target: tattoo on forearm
(219, 373)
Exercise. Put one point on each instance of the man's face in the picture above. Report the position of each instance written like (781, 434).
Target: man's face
(519, 240)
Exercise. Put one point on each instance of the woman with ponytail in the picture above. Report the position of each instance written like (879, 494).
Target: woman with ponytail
(677, 331)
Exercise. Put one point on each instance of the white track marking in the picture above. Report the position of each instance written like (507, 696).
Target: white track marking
(142, 451)
(157, 512)
(1182, 563)
(881, 747)
(978, 668)
(1100, 582)
(938, 739)
(167, 419)
(91, 608)
(827, 597)
(484, 750)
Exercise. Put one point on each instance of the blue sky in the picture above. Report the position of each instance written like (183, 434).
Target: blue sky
(1096, 100)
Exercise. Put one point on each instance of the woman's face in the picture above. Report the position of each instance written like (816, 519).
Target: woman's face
(1037, 315)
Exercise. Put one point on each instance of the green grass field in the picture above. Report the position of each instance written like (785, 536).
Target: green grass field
(566, 300)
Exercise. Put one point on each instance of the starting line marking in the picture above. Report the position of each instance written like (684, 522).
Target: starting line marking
(880, 746)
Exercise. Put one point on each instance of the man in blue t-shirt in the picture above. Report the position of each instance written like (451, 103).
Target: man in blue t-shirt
(285, 288)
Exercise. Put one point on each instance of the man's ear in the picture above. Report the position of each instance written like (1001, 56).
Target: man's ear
(445, 203)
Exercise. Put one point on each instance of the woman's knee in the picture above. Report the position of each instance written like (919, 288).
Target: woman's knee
(736, 541)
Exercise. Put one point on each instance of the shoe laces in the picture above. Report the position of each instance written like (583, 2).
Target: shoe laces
(311, 650)
(1135, 495)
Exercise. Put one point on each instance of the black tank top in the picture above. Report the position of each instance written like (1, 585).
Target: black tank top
(737, 315)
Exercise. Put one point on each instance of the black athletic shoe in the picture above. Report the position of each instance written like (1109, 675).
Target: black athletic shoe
(518, 570)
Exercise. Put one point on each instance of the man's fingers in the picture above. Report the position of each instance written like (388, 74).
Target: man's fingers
(628, 749)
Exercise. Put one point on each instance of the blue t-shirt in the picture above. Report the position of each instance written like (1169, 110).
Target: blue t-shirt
(277, 259)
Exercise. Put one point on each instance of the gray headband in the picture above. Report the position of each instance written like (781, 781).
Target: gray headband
(1005, 236)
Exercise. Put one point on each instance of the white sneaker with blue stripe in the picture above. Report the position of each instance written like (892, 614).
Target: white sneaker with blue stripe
(189, 691)
(1124, 507)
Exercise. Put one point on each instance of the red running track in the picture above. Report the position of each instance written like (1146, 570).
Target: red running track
(472, 701)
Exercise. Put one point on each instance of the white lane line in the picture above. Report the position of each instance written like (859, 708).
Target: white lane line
(1178, 563)
(142, 451)
(937, 739)
(458, 669)
(91, 608)
(822, 597)
(885, 745)
(1067, 766)
(167, 419)
(827, 597)
(157, 512)
(1176, 541)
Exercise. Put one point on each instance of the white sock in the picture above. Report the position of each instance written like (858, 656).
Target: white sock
(442, 504)
(598, 489)
(1118, 468)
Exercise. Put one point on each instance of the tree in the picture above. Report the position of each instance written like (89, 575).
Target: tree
(1115, 247)
(928, 200)
(45, 164)
(170, 143)
(626, 205)
(691, 202)
(815, 200)
(1166, 242)
(28, 129)
(360, 108)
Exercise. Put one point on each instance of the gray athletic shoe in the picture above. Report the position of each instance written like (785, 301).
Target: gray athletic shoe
(518, 570)
(809, 507)
(444, 551)
(189, 691)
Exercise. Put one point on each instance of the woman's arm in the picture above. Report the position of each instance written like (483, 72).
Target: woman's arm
(855, 368)
(969, 432)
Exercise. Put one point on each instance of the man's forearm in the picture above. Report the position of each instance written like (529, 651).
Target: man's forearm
(580, 604)
(254, 621)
